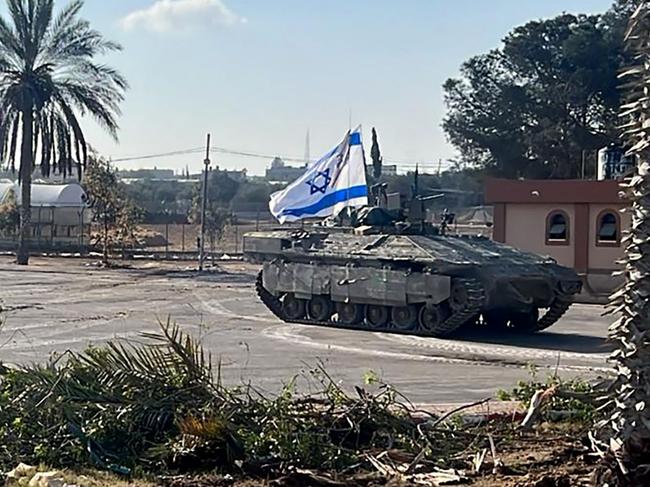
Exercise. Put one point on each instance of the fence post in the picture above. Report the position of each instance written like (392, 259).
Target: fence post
(236, 238)
(81, 230)
(166, 240)
(52, 229)
(183, 237)
(38, 227)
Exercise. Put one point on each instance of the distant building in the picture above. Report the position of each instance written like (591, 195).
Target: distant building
(38, 178)
(237, 175)
(155, 173)
(60, 216)
(240, 175)
(389, 170)
(577, 222)
(256, 179)
(279, 172)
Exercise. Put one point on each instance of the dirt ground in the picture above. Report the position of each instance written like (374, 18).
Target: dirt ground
(550, 456)
(553, 455)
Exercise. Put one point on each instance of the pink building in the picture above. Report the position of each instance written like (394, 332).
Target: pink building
(577, 222)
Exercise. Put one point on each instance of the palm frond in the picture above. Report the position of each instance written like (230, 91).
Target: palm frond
(9, 43)
(42, 19)
(49, 62)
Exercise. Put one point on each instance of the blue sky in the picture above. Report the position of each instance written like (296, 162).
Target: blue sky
(258, 74)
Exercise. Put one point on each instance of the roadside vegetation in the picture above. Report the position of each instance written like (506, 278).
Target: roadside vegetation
(157, 408)
(114, 214)
(9, 214)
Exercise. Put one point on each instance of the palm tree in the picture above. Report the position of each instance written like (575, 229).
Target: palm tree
(48, 79)
(629, 423)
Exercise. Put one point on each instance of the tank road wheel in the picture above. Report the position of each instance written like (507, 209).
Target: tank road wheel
(524, 322)
(319, 308)
(459, 297)
(430, 318)
(377, 317)
(293, 308)
(350, 314)
(404, 317)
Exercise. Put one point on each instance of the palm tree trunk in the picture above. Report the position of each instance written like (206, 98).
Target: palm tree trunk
(25, 178)
(627, 428)
(630, 443)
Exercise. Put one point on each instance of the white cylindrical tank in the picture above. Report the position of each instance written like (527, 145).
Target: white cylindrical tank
(613, 163)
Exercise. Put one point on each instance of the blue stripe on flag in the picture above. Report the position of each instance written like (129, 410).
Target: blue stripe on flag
(355, 138)
(329, 200)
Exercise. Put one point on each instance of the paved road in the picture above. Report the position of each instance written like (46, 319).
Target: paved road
(56, 305)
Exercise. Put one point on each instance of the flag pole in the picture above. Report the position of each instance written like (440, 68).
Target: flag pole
(348, 165)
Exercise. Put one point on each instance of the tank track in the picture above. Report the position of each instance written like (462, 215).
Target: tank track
(557, 309)
(475, 301)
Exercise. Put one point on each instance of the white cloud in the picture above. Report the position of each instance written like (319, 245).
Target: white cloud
(168, 15)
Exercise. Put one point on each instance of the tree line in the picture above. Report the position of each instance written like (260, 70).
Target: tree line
(542, 104)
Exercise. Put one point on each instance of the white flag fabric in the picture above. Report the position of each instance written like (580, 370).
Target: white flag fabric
(333, 183)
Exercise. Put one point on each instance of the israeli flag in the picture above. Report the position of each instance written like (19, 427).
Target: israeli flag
(333, 183)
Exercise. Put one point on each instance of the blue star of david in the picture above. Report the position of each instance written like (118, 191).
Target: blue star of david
(320, 182)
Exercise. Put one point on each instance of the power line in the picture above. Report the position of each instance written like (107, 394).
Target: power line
(258, 155)
(163, 154)
(255, 154)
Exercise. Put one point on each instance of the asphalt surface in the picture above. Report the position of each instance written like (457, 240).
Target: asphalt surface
(56, 305)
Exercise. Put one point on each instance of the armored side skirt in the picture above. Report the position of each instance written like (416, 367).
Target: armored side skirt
(355, 284)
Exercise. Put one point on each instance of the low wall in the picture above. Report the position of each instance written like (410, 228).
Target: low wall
(598, 287)
(67, 246)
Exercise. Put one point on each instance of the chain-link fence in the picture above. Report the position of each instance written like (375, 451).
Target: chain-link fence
(69, 230)
(53, 229)
(184, 238)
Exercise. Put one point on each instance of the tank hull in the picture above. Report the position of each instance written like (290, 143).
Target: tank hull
(426, 285)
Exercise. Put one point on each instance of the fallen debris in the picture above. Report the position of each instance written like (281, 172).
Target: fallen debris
(28, 476)
(47, 479)
(22, 471)
(538, 400)
(157, 407)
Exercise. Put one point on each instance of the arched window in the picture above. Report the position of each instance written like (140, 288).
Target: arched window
(608, 228)
(557, 228)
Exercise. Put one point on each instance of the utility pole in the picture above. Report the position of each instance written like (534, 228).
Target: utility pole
(204, 203)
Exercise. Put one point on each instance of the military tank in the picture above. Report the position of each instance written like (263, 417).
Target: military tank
(390, 275)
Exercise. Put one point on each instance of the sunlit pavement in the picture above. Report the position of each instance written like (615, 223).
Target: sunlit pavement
(56, 304)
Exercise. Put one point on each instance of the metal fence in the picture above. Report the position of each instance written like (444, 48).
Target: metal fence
(54, 229)
(183, 237)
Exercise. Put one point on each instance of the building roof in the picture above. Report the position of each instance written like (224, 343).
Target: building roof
(552, 191)
(59, 195)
